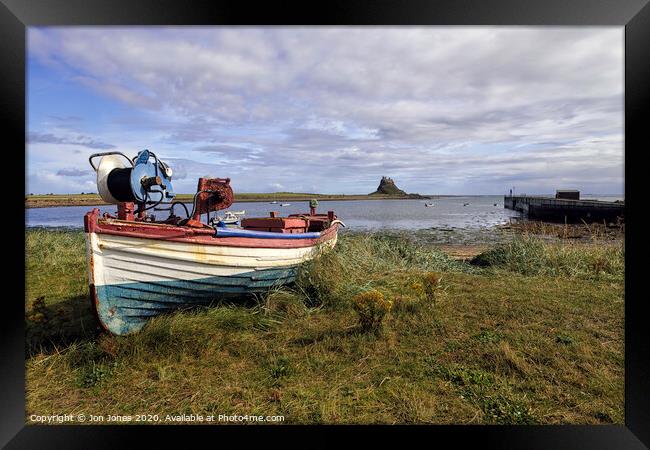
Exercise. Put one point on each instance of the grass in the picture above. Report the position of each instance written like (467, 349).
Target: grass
(56, 283)
(532, 256)
(595, 231)
(510, 342)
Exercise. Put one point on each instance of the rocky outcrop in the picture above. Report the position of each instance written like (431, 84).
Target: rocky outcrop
(387, 187)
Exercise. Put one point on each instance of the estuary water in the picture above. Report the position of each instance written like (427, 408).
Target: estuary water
(449, 219)
(362, 215)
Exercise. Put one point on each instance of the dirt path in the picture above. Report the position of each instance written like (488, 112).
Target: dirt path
(463, 252)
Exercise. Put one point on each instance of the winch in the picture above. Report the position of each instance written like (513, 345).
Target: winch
(142, 182)
(146, 181)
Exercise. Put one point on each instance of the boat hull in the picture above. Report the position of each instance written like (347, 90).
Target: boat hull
(133, 278)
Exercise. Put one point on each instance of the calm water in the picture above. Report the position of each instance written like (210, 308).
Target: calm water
(446, 213)
(453, 220)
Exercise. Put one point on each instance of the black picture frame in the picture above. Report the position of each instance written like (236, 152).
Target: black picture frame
(634, 15)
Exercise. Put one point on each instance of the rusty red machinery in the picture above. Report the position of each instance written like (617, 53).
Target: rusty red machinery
(212, 194)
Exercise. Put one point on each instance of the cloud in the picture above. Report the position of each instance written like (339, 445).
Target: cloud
(338, 107)
(84, 141)
(65, 119)
(72, 172)
(182, 167)
(39, 180)
(231, 150)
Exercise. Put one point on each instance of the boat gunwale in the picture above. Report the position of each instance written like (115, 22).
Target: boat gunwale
(93, 223)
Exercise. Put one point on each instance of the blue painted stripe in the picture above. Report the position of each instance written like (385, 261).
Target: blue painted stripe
(234, 232)
(125, 308)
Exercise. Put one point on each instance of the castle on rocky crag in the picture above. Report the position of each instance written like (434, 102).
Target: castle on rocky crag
(388, 187)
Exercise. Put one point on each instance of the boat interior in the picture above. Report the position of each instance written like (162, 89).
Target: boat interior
(293, 223)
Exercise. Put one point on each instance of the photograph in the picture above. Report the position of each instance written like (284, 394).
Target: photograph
(325, 225)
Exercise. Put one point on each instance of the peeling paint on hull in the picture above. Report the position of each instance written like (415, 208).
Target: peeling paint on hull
(125, 308)
(133, 279)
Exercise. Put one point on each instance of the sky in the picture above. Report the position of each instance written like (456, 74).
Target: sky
(441, 110)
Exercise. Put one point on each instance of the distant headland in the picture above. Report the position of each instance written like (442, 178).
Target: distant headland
(387, 190)
(388, 187)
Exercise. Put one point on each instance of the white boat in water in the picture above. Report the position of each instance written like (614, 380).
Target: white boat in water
(231, 217)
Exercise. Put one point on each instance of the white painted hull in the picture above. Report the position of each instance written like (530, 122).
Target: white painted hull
(136, 278)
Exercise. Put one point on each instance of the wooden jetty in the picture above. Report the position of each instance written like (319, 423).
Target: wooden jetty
(565, 210)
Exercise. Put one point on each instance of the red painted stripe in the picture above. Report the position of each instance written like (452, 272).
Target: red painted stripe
(204, 236)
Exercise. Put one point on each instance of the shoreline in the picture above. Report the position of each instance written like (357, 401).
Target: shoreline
(64, 201)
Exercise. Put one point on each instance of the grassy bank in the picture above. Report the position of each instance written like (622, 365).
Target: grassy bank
(47, 201)
(594, 232)
(531, 332)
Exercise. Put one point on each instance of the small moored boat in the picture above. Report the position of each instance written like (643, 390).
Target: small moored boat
(231, 217)
(139, 267)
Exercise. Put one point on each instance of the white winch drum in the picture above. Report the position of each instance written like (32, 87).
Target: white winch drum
(107, 164)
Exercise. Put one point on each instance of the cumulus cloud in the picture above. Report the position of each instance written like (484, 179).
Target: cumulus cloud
(440, 109)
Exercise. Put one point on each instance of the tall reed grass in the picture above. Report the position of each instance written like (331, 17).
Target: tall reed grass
(533, 256)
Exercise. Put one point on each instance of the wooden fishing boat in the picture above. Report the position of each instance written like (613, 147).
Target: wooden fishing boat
(139, 268)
